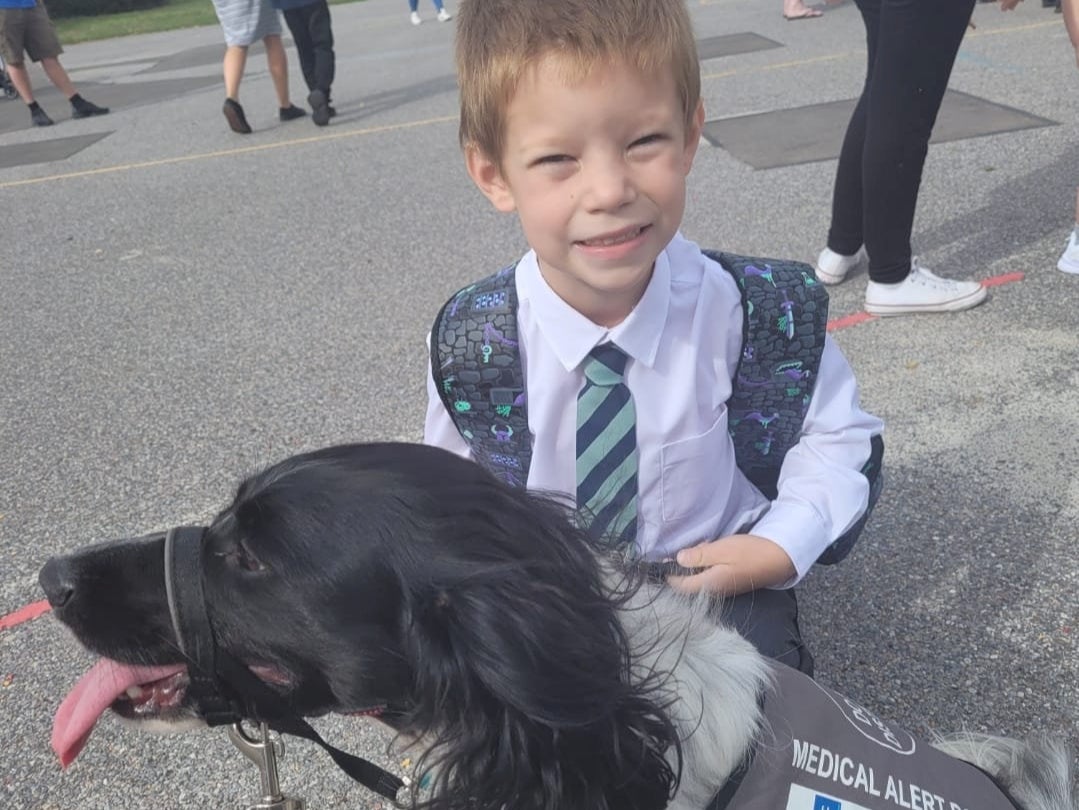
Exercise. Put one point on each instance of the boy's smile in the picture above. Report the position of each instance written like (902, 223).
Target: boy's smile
(595, 167)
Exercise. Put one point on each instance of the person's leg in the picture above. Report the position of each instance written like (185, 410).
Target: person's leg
(322, 38)
(298, 22)
(845, 235)
(278, 64)
(20, 77)
(233, 67)
(42, 45)
(769, 619)
(58, 76)
(321, 35)
(12, 35)
(413, 5)
(919, 40)
(80, 107)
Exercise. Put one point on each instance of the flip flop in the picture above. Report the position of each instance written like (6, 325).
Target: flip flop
(808, 14)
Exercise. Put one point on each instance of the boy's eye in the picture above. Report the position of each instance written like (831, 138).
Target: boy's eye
(655, 137)
(551, 160)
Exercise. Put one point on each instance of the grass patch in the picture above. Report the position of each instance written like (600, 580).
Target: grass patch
(177, 14)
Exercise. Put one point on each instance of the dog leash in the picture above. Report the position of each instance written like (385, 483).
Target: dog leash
(217, 679)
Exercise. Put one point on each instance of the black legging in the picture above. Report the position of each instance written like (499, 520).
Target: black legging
(912, 46)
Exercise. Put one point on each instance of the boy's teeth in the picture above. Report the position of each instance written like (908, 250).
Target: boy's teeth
(615, 240)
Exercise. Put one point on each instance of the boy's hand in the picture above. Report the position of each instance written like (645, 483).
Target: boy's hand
(734, 564)
(1008, 5)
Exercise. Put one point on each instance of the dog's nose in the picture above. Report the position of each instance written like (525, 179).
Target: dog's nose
(57, 579)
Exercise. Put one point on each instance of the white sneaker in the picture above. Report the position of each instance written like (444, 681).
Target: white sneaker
(1069, 259)
(833, 267)
(444, 15)
(416, 18)
(921, 291)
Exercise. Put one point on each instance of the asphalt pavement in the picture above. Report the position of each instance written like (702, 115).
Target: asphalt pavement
(180, 305)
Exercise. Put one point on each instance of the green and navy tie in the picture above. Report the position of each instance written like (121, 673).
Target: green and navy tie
(607, 448)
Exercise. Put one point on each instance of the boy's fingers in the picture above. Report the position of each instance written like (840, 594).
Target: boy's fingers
(694, 556)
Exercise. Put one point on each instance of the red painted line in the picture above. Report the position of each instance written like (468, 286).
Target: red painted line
(850, 320)
(1007, 278)
(24, 614)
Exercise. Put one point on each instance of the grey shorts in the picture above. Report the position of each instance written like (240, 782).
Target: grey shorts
(29, 30)
(245, 22)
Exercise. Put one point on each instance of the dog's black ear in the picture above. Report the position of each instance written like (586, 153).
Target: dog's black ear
(523, 673)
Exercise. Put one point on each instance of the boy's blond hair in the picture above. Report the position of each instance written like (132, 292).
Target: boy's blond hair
(499, 40)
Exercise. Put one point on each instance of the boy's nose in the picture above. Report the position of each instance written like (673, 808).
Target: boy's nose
(609, 187)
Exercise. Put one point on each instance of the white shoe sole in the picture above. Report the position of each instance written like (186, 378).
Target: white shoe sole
(828, 278)
(1068, 266)
(831, 279)
(954, 305)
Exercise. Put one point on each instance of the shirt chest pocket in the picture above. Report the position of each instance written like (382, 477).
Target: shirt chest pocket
(693, 470)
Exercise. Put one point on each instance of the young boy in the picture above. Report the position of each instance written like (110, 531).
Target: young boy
(583, 117)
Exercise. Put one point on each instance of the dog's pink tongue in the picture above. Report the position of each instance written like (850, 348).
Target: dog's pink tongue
(89, 698)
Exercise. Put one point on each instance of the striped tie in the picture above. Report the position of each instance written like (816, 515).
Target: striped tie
(607, 448)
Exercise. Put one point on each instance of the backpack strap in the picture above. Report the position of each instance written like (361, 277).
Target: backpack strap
(476, 366)
(785, 321)
(785, 318)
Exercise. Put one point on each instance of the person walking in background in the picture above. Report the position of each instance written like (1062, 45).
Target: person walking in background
(25, 27)
(912, 45)
(245, 22)
(443, 15)
(1069, 260)
(309, 23)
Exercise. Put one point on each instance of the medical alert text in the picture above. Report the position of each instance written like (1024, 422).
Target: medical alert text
(843, 770)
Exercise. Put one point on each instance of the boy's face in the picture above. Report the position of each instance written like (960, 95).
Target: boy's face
(596, 170)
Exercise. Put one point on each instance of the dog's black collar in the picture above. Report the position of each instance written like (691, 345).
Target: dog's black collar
(218, 680)
(194, 634)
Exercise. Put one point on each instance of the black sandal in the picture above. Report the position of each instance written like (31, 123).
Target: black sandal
(234, 114)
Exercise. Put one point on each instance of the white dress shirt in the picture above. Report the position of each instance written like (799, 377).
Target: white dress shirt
(684, 339)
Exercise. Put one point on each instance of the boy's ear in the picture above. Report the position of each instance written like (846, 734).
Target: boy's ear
(693, 136)
(487, 176)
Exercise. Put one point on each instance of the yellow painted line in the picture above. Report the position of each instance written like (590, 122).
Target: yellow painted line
(243, 150)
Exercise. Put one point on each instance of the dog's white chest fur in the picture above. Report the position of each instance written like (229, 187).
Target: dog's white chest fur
(716, 678)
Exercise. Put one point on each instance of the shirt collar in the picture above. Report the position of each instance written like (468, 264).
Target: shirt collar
(572, 336)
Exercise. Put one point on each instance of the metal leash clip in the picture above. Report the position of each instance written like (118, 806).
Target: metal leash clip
(264, 751)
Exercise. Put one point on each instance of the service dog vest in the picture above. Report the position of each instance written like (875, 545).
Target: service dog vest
(477, 371)
(821, 751)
